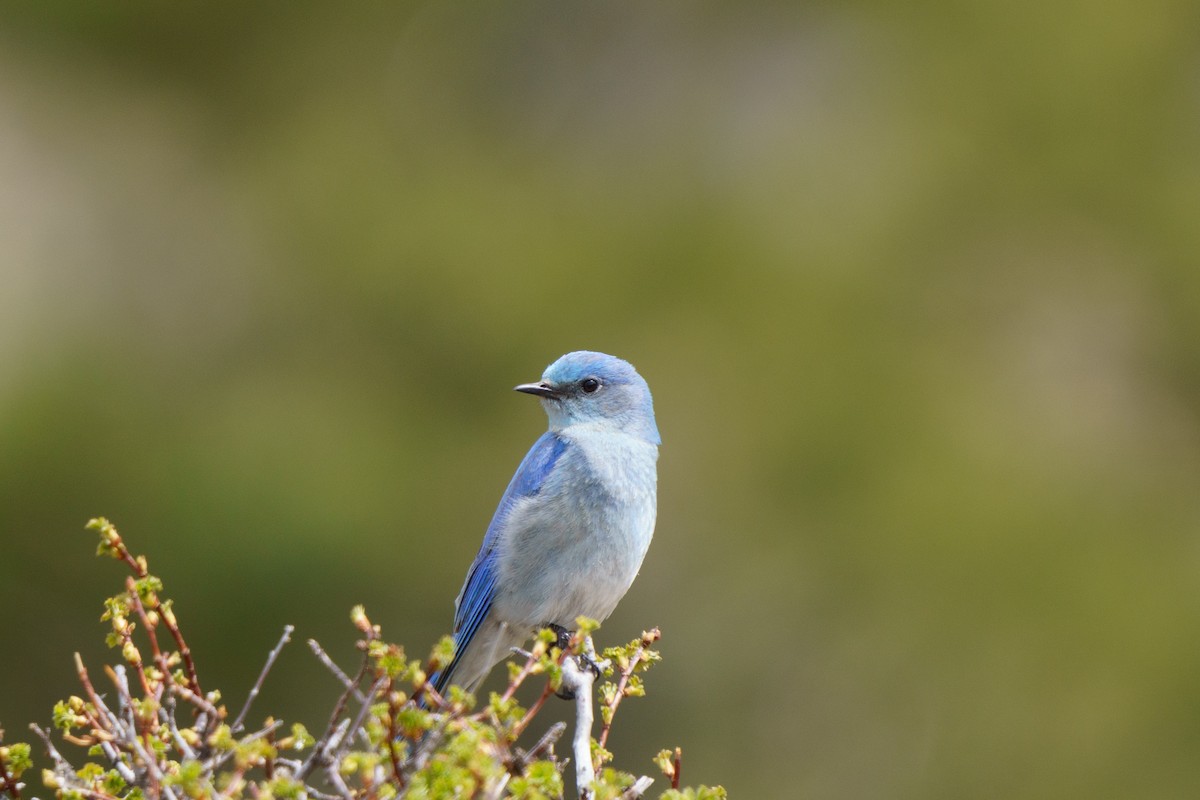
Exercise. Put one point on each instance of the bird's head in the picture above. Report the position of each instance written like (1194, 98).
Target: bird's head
(593, 388)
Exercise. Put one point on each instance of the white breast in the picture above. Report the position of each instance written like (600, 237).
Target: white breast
(575, 547)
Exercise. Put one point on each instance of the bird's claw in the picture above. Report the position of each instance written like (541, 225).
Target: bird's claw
(585, 660)
(592, 665)
(564, 636)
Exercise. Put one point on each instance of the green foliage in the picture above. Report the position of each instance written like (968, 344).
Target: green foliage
(699, 793)
(155, 734)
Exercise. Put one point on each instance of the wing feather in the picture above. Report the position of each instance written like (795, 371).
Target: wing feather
(475, 599)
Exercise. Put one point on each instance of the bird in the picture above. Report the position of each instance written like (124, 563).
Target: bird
(571, 530)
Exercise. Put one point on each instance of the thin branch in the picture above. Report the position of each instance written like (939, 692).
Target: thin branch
(648, 638)
(544, 744)
(61, 765)
(324, 658)
(429, 744)
(152, 767)
(519, 728)
(81, 671)
(639, 788)
(497, 791)
(393, 734)
(124, 700)
(218, 761)
(344, 743)
(262, 676)
(185, 652)
(127, 635)
(335, 778)
(531, 662)
(319, 754)
(318, 795)
(199, 702)
(105, 722)
(166, 614)
(167, 716)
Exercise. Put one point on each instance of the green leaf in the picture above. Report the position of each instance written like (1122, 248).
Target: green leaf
(16, 756)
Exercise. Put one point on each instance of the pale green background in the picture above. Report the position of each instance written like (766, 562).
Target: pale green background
(916, 287)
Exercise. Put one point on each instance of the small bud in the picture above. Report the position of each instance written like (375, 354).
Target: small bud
(358, 615)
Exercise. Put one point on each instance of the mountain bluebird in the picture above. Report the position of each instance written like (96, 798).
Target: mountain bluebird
(573, 526)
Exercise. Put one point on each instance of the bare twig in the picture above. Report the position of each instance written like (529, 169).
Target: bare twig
(80, 670)
(319, 753)
(214, 713)
(497, 790)
(167, 716)
(319, 795)
(262, 676)
(365, 709)
(639, 788)
(330, 665)
(543, 745)
(106, 722)
(61, 765)
(152, 767)
(533, 710)
(335, 778)
(124, 701)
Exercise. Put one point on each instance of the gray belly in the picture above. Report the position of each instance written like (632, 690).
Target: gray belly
(573, 553)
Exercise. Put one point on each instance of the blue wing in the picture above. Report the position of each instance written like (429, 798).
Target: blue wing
(478, 591)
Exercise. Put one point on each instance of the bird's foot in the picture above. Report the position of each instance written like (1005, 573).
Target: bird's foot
(564, 635)
(585, 660)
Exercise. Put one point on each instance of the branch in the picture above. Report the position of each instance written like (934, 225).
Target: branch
(346, 738)
(639, 788)
(330, 665)
(580, 680)
(8, 783)
(262, 676)
(543, 745)
(319, 754)
(648, 638)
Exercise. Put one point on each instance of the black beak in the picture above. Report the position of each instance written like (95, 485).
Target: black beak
(541, 389)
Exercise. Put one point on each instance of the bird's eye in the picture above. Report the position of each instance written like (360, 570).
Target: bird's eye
(589, 385)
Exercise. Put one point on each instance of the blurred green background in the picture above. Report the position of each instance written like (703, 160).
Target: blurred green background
(915, 287)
